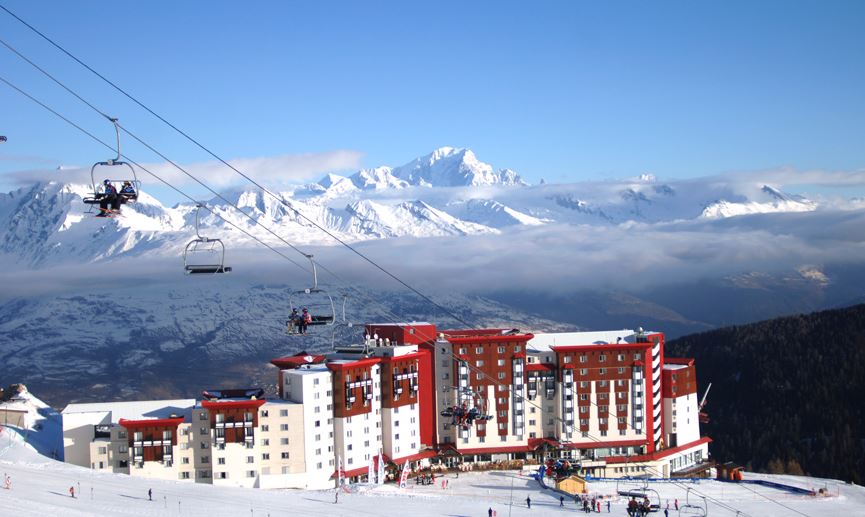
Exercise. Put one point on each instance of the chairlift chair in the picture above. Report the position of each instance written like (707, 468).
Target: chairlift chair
(212, 251)
(692, 508)
(317, 301)
(132, 178)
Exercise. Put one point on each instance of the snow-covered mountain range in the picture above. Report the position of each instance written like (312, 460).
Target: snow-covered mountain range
(448, 192)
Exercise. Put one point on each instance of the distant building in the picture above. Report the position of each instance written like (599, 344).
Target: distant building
(609, 402)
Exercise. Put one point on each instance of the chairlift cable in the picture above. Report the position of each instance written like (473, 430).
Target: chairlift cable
(114, 121)
(245, 176)
(179, 191)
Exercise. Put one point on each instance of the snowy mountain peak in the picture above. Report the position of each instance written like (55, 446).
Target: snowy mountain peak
(377, 178)
(454, 167)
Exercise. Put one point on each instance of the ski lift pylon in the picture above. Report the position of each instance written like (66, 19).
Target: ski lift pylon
(132, 178)
(204, 246)
(316, 301)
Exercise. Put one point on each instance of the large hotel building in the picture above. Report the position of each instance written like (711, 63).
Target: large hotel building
(609, 401)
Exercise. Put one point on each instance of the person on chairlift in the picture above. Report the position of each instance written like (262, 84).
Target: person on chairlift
(109, 197)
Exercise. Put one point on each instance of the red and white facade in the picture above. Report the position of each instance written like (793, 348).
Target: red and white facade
(610, 400)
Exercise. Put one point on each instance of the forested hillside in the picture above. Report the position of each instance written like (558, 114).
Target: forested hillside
(788, 394)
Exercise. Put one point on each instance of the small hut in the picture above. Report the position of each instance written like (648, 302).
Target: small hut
(572, 485)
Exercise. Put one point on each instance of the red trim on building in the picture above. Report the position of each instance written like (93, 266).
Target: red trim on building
(515, 338)
(494, 450)
(404, 333)
(153, 422)
(659, 454)
(427, 408)
(598, 445)
(222, 404)
(296, 361)
(540, 367)
(600, 348)
(686, 361)
(414, 457)
(360, 363)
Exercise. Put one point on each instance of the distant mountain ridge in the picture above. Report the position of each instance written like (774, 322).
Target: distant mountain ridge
(448, 192)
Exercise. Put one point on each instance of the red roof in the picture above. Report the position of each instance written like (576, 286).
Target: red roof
(414, 457)
(498, 338)
(217, 404)
(297, 360)
(353, 364)
(152, 422)
(540, 367)
(658, 454)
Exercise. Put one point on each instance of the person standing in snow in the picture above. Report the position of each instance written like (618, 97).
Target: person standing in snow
(72, 492)
(608, 506)
(529, 502)
(150, 494)
(561, 500)
(490, 512)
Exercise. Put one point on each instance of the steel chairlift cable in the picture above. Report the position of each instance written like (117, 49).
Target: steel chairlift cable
(184, 194)
(248, 178)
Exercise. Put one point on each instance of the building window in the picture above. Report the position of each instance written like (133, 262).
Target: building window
(620, 357)
(501, 362)
(637, 356)
(315, 382)
(584, 358)
(250, 459)
(479, 362)
(584, 371)
(501, 349)
(584, 384)
(479, 350)
(203, 445)
(283, 427)
(621, 370)
(283, 441)
(501, 375)
(265, 456)
(284, 455)
(220, 461)
(568, 359)
(121, 434)
(584, 396)
(184, 475)
(602, 358)
(202, 416)
(284, 412)
(265, 428)
(462, 350)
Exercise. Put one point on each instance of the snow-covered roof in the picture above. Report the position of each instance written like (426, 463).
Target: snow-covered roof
(541, 342)
(112, 412)
(668, 366)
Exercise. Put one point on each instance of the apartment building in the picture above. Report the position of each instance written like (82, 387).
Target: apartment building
(609, 400)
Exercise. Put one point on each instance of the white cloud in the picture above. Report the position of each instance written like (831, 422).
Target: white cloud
(268, 170)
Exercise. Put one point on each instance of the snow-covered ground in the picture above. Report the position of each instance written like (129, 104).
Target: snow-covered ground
(40, 486)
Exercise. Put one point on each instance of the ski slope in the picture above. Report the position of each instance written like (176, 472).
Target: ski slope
(40, 486)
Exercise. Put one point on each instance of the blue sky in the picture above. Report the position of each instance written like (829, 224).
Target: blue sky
(565, 91)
